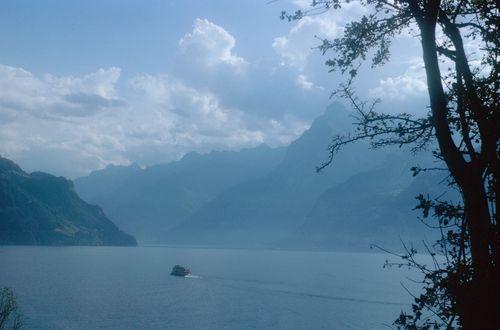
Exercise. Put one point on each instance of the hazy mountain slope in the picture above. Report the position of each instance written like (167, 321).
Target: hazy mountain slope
(148, 202)
(39, 208)
(373, 207)
(273, 208)
(266, 197)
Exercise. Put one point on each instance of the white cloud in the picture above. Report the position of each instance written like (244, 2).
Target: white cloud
(305, 84)
(211, 44)
(192, 116)
(399, 88)
(295, 48)
(157, 118)
(50, 95)
(410, 84)
(302, 4)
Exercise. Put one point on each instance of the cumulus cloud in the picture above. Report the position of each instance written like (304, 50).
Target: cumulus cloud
(410, 84)
(150, 119)
(295, 48)
(50, 95)
(70, 125)
(399, 88)
(206, 60)
(192, 116)
(58, 123)
(305, 84)
(211, 44)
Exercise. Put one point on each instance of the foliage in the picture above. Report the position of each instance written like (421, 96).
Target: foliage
(438, 306)
(464, 290)
(9, 310)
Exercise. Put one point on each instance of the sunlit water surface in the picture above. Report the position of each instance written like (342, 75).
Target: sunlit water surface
(130, 288)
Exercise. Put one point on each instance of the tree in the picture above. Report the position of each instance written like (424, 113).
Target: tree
(463, 122)
(9, 314)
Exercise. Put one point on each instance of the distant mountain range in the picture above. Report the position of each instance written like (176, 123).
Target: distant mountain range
(149, 202)
(270, 197)
(41, 209)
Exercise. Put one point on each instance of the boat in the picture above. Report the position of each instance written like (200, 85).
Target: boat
(179, 270)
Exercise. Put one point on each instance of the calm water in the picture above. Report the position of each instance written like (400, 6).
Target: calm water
(130, 288)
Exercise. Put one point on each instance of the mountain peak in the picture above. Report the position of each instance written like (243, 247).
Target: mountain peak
(7, 165)
(337, 117)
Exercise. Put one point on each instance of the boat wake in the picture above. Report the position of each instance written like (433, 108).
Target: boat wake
(192, 276)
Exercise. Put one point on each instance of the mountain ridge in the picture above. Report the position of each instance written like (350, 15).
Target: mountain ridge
(41, 209)
(152, 200)
(283, 204)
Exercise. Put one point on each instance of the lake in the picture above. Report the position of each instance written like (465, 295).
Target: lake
(130, 288)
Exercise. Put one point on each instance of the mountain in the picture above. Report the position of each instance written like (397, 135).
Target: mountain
(271, 210)
(373, 207)
(41, 209)
(149, 202)
(264, 197)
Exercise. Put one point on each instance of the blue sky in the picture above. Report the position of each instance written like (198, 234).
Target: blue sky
(75, 37)
(87, 83)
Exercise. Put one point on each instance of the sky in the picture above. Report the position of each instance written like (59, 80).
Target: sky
(85, 84)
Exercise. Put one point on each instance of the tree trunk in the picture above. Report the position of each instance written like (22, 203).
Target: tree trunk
(478, 223)
(482, 305)
(479, 302)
